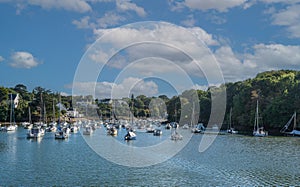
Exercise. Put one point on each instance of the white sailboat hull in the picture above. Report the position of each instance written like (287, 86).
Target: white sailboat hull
(293, 133)
(260, 133)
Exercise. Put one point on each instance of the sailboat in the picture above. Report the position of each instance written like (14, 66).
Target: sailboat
(28, 125)
(52, 125)
(294, 132)
(62, 131)
(112, 129)
(175, 135)
(35, 132)
(12, 124)
(41, 123)
(258, 131)
(199, 128)
(130, 134)
(230, 129)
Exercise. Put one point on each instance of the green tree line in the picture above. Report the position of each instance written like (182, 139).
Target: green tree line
(278, 93)
(39, 100)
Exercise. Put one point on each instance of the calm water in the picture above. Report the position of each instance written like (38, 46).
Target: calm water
(232, 160)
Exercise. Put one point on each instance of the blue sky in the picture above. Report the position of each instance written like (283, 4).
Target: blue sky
(42, 43)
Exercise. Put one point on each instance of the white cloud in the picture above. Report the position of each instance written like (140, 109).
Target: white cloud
(109, 19)
(263, 58)
(115, 90)
(71, 5)
(221, 6)
(161, 32)
(203, 87)
(203, 36)
(23, 59)
(233, 69)
(216, 19)
(275, 56)
(290, 18)
(126, 5)
(102, 56)
(65, 94)
(280, 1)
(84, 23)
(184, 40)
(1, 59)
(189, 22)
(169, 42)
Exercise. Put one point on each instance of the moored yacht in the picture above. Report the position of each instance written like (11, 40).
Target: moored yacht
(35, 132)
(87, 130)
(130, 136)
(157, 132)
(258, 131)
(62, 133)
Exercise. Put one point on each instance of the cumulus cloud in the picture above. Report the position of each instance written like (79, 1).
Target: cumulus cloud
(71, 5)
(155, 43)
(115, 90)
(290, 18)
(189, 22)
(274, 56)
(126, 5)
(158, 32)
(109, 19)
(84, 23)
(221, 6)
(262, 58)
(1, 59)
(235, 66)
(203, 36)
(22, 59)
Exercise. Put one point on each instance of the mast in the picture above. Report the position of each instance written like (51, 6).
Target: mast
(132, 108)
(53, 110)
(175, 113)
(11, 110)
(29, 115)
(256, 117)
(193, 115)
(44, 114)
(230, 115)
(59, 109)
(41, 112)
(295, 121)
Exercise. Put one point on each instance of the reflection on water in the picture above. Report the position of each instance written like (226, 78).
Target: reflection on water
(232, 160)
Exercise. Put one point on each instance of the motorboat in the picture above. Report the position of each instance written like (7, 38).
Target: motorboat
(198, 128)
(185, 126)
(87, 130)
(52, 127)
(168, 126)
(150, 129)
(157, 132)
(35, 132)
(112, 130)
(130, 136)
(27, 125)
(62, 133)
(74, 128)
(232, 131)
